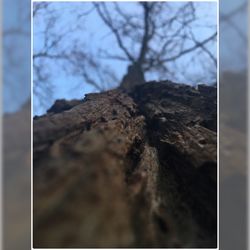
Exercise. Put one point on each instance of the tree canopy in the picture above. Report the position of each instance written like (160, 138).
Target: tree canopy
(96, 42)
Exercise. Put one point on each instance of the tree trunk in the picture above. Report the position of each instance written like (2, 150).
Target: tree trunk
(128, 170)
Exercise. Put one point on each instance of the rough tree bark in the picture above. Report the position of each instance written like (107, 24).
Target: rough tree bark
(128, 170)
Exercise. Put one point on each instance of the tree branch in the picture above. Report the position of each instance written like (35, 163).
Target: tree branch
(109, 22)
(186, 51)
(147, 8)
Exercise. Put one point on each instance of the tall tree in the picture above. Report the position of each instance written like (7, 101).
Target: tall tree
(152, 39)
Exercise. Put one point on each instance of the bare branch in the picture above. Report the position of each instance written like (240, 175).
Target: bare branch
(203, 47)
(147, 8)
(186, 51)
(105, 16)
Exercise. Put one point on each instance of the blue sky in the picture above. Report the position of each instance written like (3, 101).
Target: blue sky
(16, 89)
(16, 54)
(95, 34)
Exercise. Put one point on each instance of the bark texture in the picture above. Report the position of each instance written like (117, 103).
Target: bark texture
(134, 169)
